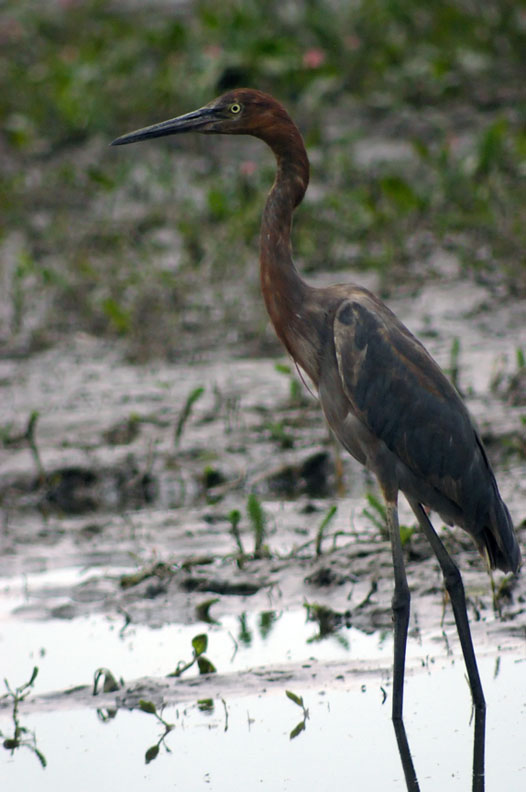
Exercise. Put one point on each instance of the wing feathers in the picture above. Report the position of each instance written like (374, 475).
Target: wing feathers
(402, 397)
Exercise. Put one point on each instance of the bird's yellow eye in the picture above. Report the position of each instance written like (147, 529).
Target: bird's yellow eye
(235, 108)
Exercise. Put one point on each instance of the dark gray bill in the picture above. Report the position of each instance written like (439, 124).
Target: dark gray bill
(194, 121)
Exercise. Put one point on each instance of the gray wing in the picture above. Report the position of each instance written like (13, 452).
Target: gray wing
(399, 394)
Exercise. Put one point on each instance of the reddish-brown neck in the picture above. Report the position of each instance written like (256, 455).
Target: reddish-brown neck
(283, 290)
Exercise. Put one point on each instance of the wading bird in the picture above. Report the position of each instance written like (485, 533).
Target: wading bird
(384, 397)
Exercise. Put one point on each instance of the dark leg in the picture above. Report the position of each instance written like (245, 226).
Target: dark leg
(405, 755)
(401, 605)
(455, 589)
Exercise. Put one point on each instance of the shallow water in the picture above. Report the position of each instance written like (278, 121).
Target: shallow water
(68, 652)
(244, 741)
(224, 737)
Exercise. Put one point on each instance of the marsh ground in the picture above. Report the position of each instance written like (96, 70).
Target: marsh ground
(164, 474)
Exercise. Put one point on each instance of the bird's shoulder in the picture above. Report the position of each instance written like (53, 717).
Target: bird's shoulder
(395, 388)
(371, 342)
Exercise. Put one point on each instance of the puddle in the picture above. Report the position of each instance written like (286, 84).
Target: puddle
(221, 735)
(69, 650)
(245, 741)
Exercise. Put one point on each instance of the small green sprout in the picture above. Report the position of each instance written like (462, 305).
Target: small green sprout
(329, 516)
(258, 521)
(185, 413)
(22, 737)
(150, 709)
(199, 646)
(298, 700)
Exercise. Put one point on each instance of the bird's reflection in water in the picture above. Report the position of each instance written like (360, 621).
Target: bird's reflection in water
(479, 745)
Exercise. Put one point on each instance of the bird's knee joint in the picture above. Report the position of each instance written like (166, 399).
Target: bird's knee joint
(453, 580)
(401, 600)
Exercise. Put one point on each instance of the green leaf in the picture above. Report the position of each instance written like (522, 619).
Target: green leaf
(323, 525)
(205, 665)
(234, 517)
(202, 610)
(151, 754)
(205, 705)
(258, 520)
(41, 758)
(200, 643)
(35, 669)
(109, 685)
(186, 411)
(148, 706)
(293, 697)
(378, 514)
(297, 730)
(406, 532)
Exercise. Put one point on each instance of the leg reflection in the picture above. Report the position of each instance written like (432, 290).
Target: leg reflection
(405, 755)
(479, 741)
(479, 746)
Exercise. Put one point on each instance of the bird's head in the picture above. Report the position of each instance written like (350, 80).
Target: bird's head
(243, 111)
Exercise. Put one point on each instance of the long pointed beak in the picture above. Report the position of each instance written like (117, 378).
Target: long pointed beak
(197, 120)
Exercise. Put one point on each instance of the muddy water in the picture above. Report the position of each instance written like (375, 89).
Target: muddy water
(117, 551)
(245, 738)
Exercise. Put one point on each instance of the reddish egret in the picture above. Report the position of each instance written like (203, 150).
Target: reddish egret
(384, 397)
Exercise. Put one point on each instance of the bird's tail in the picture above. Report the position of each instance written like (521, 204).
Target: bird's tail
(498, 541)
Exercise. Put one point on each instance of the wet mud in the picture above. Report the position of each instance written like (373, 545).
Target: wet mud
(141, 477)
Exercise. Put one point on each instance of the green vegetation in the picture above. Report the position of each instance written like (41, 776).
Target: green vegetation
(328, 518)
(329, 622)
(257, 520)
(234, 518)
(258, 523)
(376, 513)
(199, 647)
(22, 737)
(153, 751)
(296, 392)
(186, 411)
(298, 700)
(413, 116)
(109, 683)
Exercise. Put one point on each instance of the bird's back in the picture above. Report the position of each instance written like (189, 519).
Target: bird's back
(392, 407)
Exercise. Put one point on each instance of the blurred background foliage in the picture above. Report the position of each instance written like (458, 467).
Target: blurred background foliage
(414, 118)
